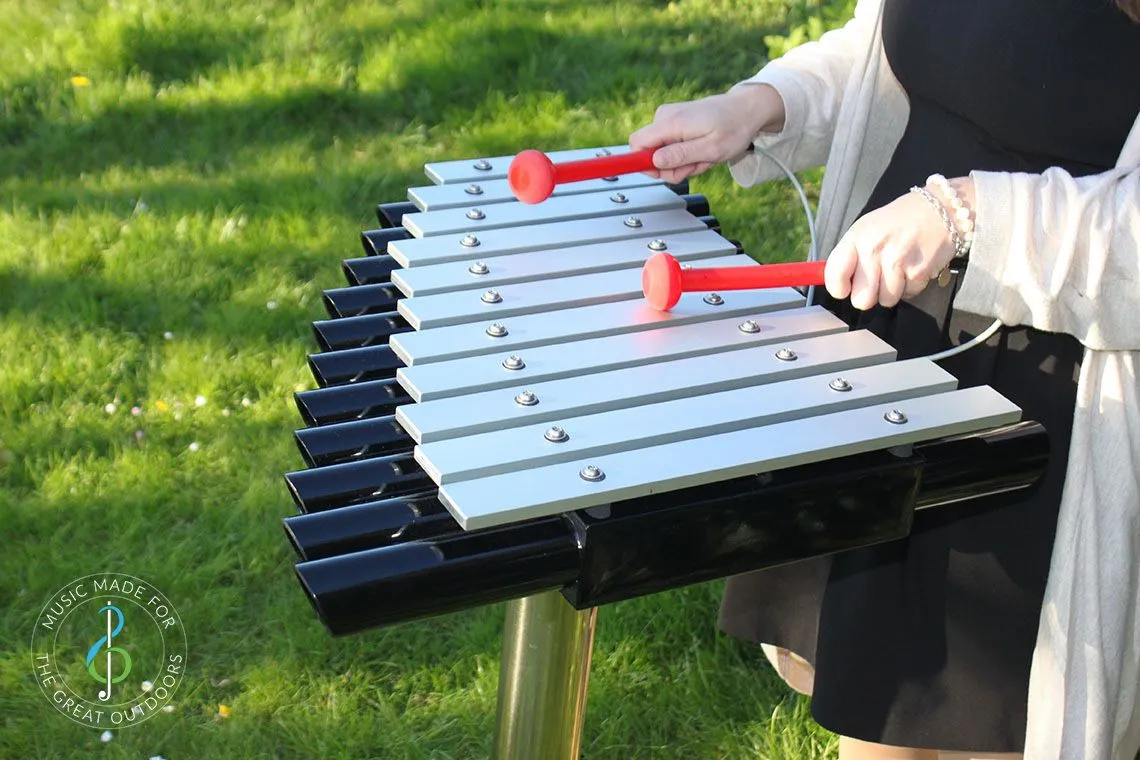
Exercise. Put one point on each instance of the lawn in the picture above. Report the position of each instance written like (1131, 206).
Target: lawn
(179, 182)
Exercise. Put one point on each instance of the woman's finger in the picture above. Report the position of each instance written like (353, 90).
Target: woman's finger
(865, 281)
(840, 268)
(892, 281)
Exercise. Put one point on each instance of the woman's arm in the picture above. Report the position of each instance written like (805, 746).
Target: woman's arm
(811, 81)
(790, 108)
(1058, 253)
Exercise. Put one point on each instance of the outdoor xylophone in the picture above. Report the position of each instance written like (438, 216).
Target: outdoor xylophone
(502, 416)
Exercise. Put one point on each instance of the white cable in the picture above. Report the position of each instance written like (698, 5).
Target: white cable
(813, 250)
(813, 255)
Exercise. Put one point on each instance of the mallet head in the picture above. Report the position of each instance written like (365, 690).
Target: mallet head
(661, 281)
(531, 176)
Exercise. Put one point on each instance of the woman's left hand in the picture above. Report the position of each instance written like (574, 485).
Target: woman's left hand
(893, 252)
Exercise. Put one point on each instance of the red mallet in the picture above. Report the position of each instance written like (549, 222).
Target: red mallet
(532, 175)
(663, 281)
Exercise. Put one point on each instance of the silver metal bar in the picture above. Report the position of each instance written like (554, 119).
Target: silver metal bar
(482, 247)
(589, 482)
(427, 312)
(568, 325)
(453, 221)
(684, 378)
(487, 192)
(484, 373)
(543, 678)
(495, 167)
(637, 427)
(562, 262)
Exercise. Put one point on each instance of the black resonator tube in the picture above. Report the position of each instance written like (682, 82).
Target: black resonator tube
(370, 525)
(375, 242)
(420, 579)
(352, 441)
(392, 214)
(339, 485)
(354, 365)
(342, 403)
(357, 332)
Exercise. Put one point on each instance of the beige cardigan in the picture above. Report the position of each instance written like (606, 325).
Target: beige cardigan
(1052, 252)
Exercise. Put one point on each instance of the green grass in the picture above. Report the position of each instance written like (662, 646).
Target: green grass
(226, 155)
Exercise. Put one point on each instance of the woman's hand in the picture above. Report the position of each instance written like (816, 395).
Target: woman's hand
(893, 252)
(700, 133)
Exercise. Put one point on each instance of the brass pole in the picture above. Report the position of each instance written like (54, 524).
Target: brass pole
(543, 678)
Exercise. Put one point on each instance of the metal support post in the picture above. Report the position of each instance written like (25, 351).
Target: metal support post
(543, 679)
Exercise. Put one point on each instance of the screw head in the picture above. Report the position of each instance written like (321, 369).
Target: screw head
(714, 299)
(526, 398)
(603, 152)
(473, 189)
(632, 221)
(749, 326)
(555, 434)
(479, 267)
(657, 245)
(482, 165)
(491, 296)
(496, 330)
(786, 355)
(513, 362)
(895, 417)
(592, 473)
(839, 384)
(476, 214)
(619, 198)
(469, 241)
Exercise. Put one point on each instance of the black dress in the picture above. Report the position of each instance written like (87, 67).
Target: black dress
(927, 641)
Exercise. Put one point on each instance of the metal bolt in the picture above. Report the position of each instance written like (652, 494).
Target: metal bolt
(473, 189)
(749, 326)
(483, 165)
(657, 245)
(839, 384)
(592, 473)
(476, 214)
(786, 355)
(513, 362)
(603, 152)
(556, 434)
(714, 299)
(469, 241)
(479, 267)
(619, 198)
(491, 296)
(496, 330)
(526, 398)
(633, 221)
(895, 417)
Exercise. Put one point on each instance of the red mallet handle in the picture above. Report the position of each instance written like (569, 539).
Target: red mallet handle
(663, 281)
(532, 175)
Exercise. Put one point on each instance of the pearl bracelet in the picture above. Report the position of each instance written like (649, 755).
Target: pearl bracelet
(963, 220)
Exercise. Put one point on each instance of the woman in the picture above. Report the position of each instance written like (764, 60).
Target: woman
(975, 637)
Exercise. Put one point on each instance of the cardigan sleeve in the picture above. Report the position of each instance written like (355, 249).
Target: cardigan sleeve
(1058, 253)
(811, 80)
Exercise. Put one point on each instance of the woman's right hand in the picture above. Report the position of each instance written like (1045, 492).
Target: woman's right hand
(695, 135)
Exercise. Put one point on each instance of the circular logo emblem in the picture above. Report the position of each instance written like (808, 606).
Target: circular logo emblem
(108, 650)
